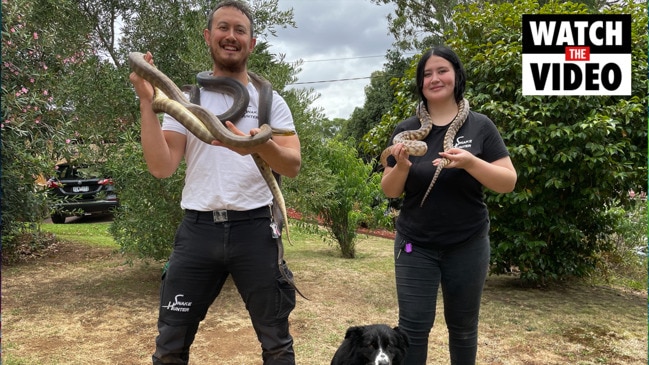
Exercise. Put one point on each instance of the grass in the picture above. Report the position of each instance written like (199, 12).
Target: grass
(83, 302)
(91, 234)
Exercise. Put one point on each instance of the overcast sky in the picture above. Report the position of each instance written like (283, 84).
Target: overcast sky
(337, 40)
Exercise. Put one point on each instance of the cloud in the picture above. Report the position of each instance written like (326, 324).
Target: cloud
(337, 40)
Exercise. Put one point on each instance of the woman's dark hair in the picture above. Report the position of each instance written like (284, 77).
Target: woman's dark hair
(241, 6)
(447, 54)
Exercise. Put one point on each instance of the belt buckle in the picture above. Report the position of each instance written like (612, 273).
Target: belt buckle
(220, 216)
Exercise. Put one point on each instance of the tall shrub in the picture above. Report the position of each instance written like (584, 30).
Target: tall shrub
(150, 209)
(575, 156)
(33, 125)
(338, 190)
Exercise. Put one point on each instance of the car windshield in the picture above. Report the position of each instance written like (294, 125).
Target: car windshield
(78, 172)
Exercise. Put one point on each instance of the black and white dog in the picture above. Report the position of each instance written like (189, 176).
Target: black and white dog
(375, 344)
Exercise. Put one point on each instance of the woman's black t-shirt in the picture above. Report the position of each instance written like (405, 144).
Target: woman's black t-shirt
(454, 210)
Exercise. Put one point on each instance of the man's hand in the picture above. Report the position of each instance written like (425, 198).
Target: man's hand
(143, 88)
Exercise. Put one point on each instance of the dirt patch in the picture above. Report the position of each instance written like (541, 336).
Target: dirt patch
(79, 304)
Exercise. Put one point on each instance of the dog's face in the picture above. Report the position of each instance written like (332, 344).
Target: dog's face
(375, 344)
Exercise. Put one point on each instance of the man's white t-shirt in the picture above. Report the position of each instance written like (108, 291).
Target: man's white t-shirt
(216, 177)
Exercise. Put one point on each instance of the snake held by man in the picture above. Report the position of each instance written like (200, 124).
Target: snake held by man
(206, 126)
(170, 99)
(413, 139)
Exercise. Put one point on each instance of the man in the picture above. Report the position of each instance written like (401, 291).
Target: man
(227, 228)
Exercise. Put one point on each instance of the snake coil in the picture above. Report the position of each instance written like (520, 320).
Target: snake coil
(413, 139)
(168, 98)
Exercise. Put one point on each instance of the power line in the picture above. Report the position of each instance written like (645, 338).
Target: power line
(324, 81)
(337, 80)
(342, 59)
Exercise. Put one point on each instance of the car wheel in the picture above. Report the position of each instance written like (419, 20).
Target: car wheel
(58, 218)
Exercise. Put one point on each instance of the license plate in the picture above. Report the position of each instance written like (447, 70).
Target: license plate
(80, 189)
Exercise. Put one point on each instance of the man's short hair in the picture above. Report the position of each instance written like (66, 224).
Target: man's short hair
(240, 5)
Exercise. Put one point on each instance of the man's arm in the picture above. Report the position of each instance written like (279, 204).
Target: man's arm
(163, 150)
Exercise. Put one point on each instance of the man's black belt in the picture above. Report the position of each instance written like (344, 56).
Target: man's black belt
(220, 216)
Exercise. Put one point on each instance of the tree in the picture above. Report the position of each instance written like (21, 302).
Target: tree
(575, 156)
(420, 24)
(36, 117)
(86, 108)
(379, 97)
(406, 99)
(417, 24)
(103, 18)
(335, 188)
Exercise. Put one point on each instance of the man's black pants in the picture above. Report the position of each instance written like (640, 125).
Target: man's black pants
(204, 254)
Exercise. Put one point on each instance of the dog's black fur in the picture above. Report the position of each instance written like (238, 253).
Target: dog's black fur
(362, 345)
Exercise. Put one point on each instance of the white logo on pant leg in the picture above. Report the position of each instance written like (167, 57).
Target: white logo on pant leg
(178, 306)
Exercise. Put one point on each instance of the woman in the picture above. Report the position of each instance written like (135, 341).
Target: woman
(443, 238)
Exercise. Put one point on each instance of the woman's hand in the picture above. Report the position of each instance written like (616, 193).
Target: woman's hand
(457, 157)
(499, 176)
(400, 153)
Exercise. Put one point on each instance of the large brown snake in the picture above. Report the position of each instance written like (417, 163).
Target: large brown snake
(206, 126)
(412, 139)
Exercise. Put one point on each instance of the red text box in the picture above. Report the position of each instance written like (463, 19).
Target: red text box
(577, 53)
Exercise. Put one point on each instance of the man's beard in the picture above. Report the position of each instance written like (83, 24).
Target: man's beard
(231, 66)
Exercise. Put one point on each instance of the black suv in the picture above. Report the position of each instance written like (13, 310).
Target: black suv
(79, 190)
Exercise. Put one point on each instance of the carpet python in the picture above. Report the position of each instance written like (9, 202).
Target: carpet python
(412, 139)
(454, 127)
(206, 126)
